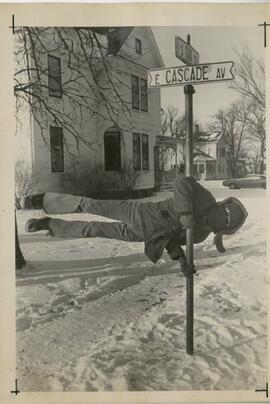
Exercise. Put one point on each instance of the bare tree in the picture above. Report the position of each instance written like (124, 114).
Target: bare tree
(173, 123)
(249, 77)
(164, 122)
(89, 87)
(233, 122)
(250, 83)
(257, 133)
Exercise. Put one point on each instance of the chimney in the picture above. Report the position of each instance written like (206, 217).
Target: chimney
(196, 130)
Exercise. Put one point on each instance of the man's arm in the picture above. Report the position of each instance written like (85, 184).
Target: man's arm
(184, 194)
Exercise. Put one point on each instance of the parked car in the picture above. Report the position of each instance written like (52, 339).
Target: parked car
(250, 181)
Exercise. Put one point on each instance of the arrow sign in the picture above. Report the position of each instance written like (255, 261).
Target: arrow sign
(196, 74)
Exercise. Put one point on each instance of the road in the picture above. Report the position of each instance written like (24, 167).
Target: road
(220, 192)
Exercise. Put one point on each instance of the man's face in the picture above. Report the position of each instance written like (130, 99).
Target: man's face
(218, 218)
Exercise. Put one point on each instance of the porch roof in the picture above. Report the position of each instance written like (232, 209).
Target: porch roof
(203, 158)
(167, 140)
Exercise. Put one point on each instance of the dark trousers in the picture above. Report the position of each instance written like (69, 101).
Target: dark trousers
(125, 212)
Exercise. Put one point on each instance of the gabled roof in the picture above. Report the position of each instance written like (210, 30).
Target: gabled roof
(156, 48)
(208, 137)
(200, 154)
(116, 36)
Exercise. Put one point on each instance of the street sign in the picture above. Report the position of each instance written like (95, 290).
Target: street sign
(185, 52)
(196, 74)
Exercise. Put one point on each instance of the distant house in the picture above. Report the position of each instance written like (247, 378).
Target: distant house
(122, 156)
(210, 156)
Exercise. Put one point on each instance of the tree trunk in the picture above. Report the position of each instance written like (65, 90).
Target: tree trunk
(261, 162)
(20, 261)
(233, 168)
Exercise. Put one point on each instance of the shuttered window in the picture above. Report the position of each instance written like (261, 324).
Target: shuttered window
(145, 152)
(57, 149)
(144, 95)
(138, 46)
(140, 151)
(136, 151)
(112, 151)
(139, 93)
(135, 92)
(54, 76)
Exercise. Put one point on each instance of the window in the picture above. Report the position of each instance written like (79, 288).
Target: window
(135, 92)
(112, 151)
(138, 46)
(201, 168)
(136, 151)
(221, 152)
(57, 150)
(140, 151)
(145, 152)
(54, 76)
(144, 95)
(220, 168)
(139, 93)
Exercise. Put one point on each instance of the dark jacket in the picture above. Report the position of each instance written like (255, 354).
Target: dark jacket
(159, 222)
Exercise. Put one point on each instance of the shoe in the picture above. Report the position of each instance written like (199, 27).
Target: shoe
(33, 225)
(32, 201)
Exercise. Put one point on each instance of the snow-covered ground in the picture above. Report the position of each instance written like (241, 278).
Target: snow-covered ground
(97, 315)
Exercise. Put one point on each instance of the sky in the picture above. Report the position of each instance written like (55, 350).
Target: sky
(215, 44)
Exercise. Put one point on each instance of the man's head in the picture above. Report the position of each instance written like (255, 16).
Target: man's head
(227, 216)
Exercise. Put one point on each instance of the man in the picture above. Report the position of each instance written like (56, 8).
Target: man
(159, 225)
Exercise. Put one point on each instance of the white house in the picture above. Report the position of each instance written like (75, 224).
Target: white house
(211, 159)
(112, 153)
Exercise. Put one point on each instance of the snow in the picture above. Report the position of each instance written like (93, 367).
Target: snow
(97, 315)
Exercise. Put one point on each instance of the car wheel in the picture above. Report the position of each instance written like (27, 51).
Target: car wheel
(263, 186)
(232, 186)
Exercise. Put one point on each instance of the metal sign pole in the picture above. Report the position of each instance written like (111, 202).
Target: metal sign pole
(189, 91)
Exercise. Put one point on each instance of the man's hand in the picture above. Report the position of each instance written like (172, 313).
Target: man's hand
(174, 250)
(186, 220)
(176, 253)
(183, 266)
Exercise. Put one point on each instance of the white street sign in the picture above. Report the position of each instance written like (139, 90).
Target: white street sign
(185, 52)
(197, 74)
